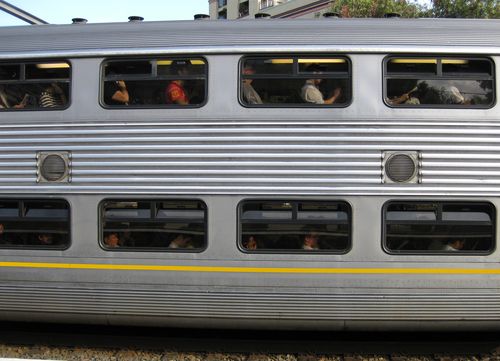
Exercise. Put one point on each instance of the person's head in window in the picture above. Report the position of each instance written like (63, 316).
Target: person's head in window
(311, 241)
(45, 239)
(112, 240)
(250, 95)
(181, 241)
(250, 243)
(310, 92)
(454, 96)
(176, 92)
(454, 245)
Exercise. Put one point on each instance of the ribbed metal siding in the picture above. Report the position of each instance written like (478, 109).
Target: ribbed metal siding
(283, 306)
(236, 36)
(251, 159)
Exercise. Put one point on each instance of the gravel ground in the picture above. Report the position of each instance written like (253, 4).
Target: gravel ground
(84, 354)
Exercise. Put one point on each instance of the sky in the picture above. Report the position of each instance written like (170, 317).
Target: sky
(100, 11)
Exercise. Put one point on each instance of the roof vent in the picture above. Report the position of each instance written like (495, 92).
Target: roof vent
(201, 17)
(135, 19)
(392, 15)
(262, 16)
(79, 21)
(331, 14)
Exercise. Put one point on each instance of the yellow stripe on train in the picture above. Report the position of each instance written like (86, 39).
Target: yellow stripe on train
(126, 267)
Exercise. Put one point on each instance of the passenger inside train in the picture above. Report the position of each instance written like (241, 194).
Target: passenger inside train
(310, 92)
(181, 241)
(176, 93)
(112, 240)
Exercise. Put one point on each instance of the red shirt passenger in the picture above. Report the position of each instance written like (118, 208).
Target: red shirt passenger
(175, 93)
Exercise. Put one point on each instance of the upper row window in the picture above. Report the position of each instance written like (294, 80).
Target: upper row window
(34, 85)
(439, 82)
(292, 81)
(286, 81)
(165, 82)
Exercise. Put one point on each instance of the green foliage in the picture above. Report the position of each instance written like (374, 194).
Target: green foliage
(489, 9)
(377, 8)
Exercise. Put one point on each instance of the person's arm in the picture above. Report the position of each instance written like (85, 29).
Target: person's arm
(121, 95)
(58, 90)
(399, 100)
(334, 97)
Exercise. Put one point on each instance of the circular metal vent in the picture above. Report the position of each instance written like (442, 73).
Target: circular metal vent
(54, 168)
(400, 168)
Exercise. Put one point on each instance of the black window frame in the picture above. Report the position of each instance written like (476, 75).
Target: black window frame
(23, 81)
(153, 76)
(298, 75)
(152, 217)
(23, 217)
(438, 76)
(437, 221)
(294, 219)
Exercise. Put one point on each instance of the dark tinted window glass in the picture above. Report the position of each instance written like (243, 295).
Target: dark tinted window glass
(9, 209)
(467, 66)
(299, 81)
(120, 68)
(10, 72)
(406, 66)
(166, 82)
(28, 86)
(440, 92)
(447, 82)
(34, 224)
(41, 71)
(435, 227)
(295, 226)
(174, 225)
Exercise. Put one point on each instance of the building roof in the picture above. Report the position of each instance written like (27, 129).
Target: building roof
(206, 37)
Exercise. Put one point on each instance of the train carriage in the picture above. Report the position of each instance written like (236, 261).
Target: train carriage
(332, 174)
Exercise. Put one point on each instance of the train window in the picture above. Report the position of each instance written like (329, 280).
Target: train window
(295, 81)
(160, 225)
(439, 82)
(296, 226)
(154, 83)
(34, 224)
(34, 86)
(439, 227)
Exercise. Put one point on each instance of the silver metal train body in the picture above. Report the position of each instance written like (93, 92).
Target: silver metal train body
(224, 154)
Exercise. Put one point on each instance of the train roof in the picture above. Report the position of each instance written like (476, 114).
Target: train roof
(445, 36)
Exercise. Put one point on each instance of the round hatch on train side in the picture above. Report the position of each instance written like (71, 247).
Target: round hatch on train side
(400, 167)
(53, 167)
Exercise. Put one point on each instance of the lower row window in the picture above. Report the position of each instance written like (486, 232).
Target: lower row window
(265, 226)
(154, 225)
(34, 224)
(439, 227)
(295, 226)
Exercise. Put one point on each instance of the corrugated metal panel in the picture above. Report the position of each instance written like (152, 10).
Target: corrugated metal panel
(240, 36)
(283, 306)
(251, 159)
